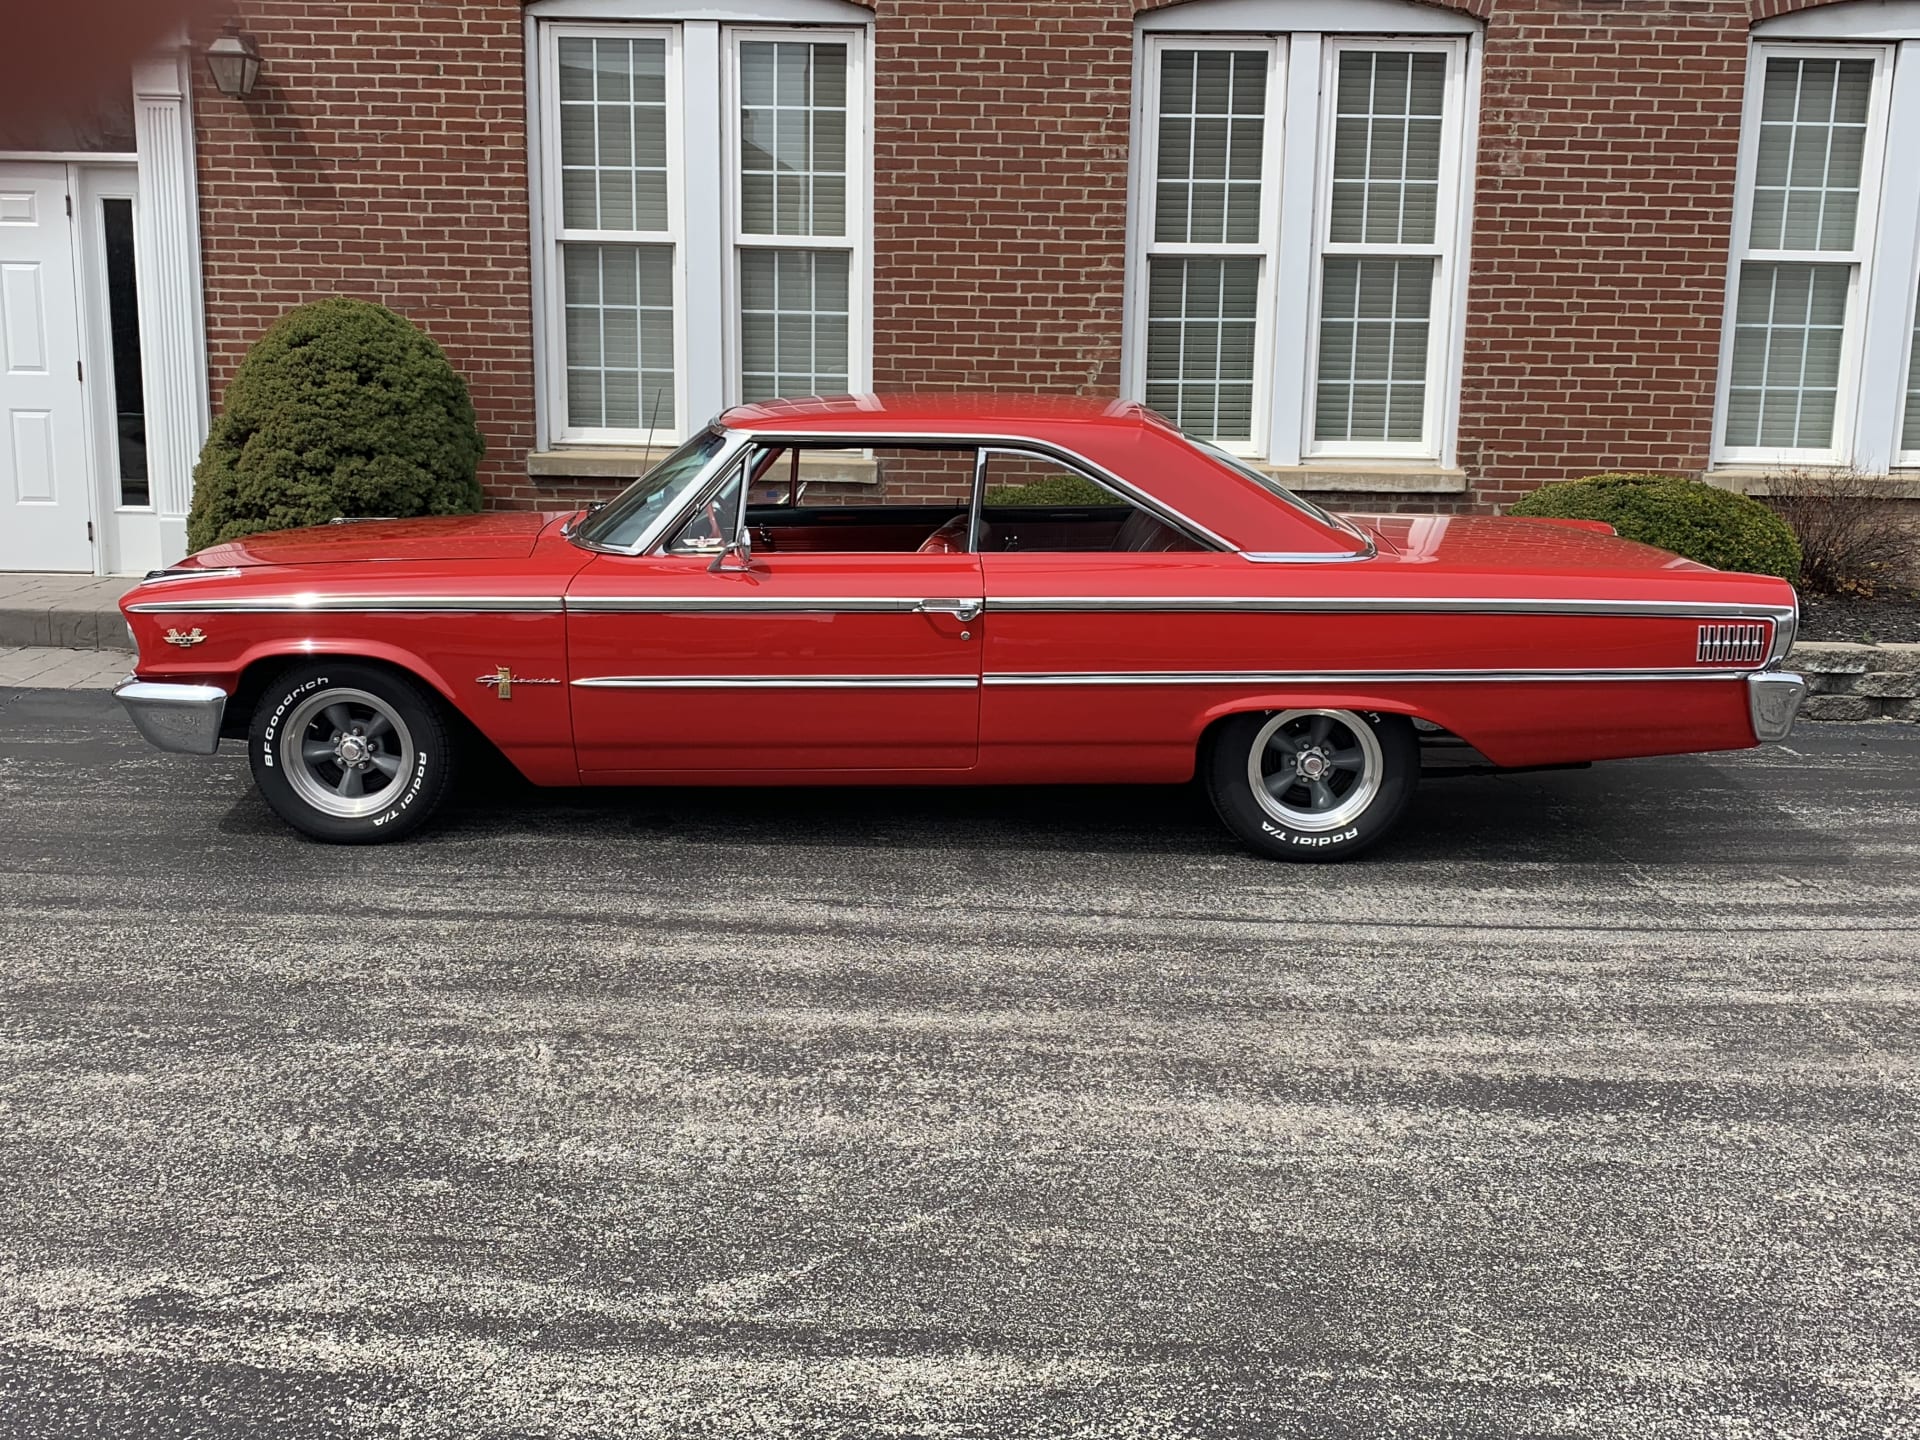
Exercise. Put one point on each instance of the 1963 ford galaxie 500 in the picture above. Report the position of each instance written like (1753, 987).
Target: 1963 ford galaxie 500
(911, 591)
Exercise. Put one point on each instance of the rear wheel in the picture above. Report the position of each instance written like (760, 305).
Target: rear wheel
(349, 753)
(1312, 784)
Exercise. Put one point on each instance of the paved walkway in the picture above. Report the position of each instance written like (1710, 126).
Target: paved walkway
(73, 612)
(42, 667)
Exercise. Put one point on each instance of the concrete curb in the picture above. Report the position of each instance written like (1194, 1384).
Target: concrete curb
(65, 612)
(1855, 682)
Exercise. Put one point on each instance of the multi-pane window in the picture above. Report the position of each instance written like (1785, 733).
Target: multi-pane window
(616, 236)
(1382, 248)
(794, 242)
(1807, 239)
(1204, 267)
(1292, 340)
(1820, 361)
(703, 190)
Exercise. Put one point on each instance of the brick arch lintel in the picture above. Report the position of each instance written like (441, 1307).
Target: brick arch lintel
(1758, 10)
(1479, 9)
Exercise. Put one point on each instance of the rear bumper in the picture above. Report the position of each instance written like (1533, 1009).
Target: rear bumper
(1773, 699)
(184, 719)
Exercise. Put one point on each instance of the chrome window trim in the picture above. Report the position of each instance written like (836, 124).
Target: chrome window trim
(910, 439)
(779, 682)
(1340, 677)
(1312, 557)
(306, 604)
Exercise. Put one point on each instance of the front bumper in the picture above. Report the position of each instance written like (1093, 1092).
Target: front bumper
(184, 719)
(1773, 699)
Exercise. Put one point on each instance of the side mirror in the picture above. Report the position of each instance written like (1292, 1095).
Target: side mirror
(737, 558)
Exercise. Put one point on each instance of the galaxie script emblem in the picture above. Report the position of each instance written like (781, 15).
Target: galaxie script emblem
(505, 680)
(187, 639)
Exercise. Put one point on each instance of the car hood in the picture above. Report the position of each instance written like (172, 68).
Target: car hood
(1486, 542)
(497, 535)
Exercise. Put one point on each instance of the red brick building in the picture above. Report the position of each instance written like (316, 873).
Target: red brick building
(1410, 255)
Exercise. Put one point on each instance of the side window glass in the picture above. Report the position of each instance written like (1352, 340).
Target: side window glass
(1032, 502)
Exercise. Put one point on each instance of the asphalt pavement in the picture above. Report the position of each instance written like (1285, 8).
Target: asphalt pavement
(1586, 1107)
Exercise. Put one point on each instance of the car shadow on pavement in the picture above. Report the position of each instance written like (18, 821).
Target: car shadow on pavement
(1674, 810)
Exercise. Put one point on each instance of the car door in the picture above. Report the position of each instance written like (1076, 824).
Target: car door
(793, 663)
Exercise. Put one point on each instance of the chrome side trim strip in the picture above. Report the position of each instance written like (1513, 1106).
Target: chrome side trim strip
(304, 604)
(779, 682)
(1340, 677)
(1310, 557)
(750, 604)
(1398, 605)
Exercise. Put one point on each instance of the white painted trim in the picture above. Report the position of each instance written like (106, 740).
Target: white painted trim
(1849, 20)
(1849, 411)
(1336, 17)
(173, 342)
(1292, 347)
(754, 12)
(128, 536)
(1888, 343)
(69, 157)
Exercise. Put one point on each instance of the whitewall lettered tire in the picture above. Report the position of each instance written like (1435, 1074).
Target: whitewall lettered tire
(350, 753)
(1312, 784)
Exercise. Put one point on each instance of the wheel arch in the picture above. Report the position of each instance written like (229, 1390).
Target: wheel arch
(263, 663)
(1215, 716)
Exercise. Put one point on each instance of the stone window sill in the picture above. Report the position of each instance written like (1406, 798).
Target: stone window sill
(837, 467)
(1324, 478)
(1900, 485)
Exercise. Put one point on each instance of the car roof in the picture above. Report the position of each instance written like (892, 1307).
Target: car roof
(1121, 437)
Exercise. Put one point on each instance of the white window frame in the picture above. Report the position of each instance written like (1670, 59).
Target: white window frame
(1441, 249)
(702, 128)
(1847, 399)
(1299, 140)
(858, 239)
(1263, 249)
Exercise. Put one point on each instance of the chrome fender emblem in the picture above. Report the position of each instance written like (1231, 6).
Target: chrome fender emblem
(503, 679)
(185, 640)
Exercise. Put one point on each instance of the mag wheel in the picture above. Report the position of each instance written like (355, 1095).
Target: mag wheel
(1312, 784)
(349, 753)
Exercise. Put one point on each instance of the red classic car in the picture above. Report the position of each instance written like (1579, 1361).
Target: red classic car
(964, 590)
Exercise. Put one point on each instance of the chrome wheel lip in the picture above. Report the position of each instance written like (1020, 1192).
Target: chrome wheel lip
(1351, 805)
(303, 775)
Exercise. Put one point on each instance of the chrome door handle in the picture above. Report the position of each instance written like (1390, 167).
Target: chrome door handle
(959, 609)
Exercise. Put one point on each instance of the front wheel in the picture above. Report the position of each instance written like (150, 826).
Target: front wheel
(349, 753)
(1312, 784)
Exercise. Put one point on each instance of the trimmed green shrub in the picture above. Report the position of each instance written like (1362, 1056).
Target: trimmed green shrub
(1054, 490)
(1700, 521)
(342, 408)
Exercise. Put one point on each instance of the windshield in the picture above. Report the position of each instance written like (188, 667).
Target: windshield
(624, 519)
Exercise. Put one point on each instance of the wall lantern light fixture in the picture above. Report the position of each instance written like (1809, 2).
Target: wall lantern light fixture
(235, 63)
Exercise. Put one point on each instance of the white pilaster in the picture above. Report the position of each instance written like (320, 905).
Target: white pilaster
(173, 347)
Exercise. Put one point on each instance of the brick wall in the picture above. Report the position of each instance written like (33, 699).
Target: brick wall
(384, 155)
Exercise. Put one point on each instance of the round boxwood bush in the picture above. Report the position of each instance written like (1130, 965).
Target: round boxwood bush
(1054, 490)
(342, 408)
(1700, 521)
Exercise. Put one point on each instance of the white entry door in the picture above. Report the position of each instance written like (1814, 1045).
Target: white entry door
(45, 462)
